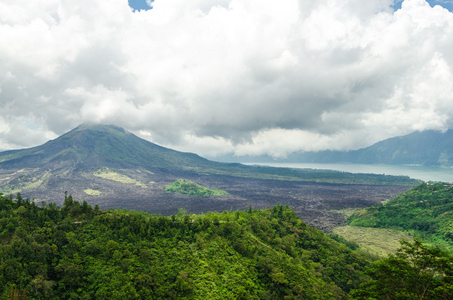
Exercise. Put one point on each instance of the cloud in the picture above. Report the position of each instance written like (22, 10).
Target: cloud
(246, 77)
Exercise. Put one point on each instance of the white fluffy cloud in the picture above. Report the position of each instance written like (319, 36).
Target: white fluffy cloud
(217, 76)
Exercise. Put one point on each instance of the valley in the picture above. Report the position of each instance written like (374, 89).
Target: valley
(112, 168)
(99, 197)
(315, 203)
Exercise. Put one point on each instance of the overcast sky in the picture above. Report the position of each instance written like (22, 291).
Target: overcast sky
(227, 76)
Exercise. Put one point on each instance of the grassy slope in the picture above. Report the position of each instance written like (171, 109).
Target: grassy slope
(375, 241)
(426, 211)
(108, 174)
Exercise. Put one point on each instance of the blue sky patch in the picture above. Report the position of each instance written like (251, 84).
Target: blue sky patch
(448, 4)
(139, 4)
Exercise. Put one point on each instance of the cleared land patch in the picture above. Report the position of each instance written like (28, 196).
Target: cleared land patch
(377, 241)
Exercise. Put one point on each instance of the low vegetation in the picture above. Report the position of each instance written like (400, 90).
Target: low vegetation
(375, 241)
(92, 192)
(23, 181)
(426, 211)
(312, 175)
(108, 174)
(415, 271)
(187, 187)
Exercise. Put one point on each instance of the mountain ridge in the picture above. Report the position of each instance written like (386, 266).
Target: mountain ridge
(425, 148)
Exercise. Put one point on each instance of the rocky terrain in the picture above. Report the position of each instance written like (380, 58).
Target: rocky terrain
(318, 204)
(113, 168)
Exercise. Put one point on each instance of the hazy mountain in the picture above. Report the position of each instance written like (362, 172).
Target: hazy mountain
(428, 148)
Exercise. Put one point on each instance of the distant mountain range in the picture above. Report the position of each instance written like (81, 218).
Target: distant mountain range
(425, 148)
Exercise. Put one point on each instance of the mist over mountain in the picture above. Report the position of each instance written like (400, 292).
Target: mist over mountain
(425, 148)
(90, 146)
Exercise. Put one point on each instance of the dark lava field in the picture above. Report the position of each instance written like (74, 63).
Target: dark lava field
(317, 204)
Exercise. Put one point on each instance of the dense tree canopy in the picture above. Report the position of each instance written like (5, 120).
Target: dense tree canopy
(82, 253)
(414, 272)
(187, 187)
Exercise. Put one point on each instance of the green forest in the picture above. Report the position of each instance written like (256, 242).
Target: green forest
(77, 252)
(426, 211)
(80, 252)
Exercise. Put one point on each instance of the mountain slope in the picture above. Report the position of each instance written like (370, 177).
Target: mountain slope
(422, 148)
(426, 210)
(428, 148)
(113, 168)
(100, 145)
(89, 148)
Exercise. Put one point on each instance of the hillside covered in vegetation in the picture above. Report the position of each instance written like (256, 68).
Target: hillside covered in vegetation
(425, 210)
(187, 187)
(82, 253)
(77, 252)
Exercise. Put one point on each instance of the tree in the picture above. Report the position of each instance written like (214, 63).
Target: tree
(85, 207)
(68, 201)
(19, 199)
(415, 271)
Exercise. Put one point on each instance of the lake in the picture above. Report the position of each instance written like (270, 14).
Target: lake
(418, 172)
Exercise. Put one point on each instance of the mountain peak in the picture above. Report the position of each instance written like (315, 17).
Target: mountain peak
(93, 145)
(98, 127)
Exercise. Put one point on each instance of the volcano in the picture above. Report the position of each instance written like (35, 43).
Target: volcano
(92, 146)
(111, 167)
(102, 162)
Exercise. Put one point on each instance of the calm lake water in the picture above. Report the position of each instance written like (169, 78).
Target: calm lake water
(417, 172)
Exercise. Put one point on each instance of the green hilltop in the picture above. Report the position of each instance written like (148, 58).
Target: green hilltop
(426, 211)
(187, 187)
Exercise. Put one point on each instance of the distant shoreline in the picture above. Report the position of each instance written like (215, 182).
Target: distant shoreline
(424, 173)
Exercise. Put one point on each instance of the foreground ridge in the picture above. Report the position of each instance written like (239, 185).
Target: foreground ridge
(80, 252)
